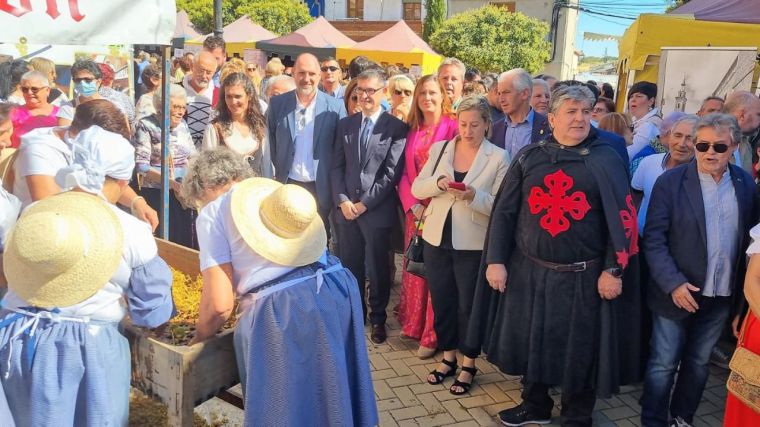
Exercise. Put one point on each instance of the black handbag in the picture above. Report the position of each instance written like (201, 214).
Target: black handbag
(415, 264)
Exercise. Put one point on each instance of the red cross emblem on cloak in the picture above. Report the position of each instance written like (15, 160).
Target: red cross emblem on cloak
(629, 220)
(557, 203)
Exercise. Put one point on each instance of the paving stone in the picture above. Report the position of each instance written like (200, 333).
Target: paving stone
(434, 420)
(384, 374)
(470, 423)
(635, 421)
(382, 391)
(481, 416)
(509, 385)
(410, 412)
(405, 380)
(406, 396)
(408, 423)
(619, 413)
(631, 401)
(389, 404)
(378, 362)
(400, 354)
(707, 408)
(625, 423)
(444, 395)
(457, 411)
(386, 420)
(430, 403)
(471, 402)
(496, 393)
(425, 388)
(400, 367)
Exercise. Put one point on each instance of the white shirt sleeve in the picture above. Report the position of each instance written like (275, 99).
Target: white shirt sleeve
(637, 183)
(66, 112)
(754, 247)
(38, 159)
(210, 140)
(9, 210)
(642, 137)
(212, 240)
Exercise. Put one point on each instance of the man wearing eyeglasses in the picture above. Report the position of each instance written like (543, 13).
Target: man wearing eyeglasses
(368, 160)
(301, 125)
(332, 77)
(696, 231)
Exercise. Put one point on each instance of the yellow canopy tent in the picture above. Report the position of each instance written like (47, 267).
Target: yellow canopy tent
(396, 45)
(640, 46)
(239, 35)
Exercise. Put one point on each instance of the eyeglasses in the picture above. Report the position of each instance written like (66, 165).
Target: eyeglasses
(405, 92)
(702, 147)
(251, 69)
(84, 79)
(354, 98)
(177, 108)
(600, 110)
(369, 91)
(330, 68)
(33, 90)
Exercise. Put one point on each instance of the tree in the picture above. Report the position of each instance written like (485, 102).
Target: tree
(493, 39)
(277, 16)
(201, 12)
(435, 14)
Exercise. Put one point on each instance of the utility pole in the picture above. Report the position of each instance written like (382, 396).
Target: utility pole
(218, 30)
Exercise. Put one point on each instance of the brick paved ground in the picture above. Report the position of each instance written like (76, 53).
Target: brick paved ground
(405, 399)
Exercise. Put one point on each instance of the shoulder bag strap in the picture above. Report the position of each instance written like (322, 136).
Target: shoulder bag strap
(437, 162)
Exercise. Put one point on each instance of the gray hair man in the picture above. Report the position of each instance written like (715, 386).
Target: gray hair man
(711, 104)
(745, 106)
(697, 229)
(490, 81)
(451, 75)
(521, 124)
(277, 85)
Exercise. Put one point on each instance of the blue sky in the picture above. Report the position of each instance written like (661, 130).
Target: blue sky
(608, 24)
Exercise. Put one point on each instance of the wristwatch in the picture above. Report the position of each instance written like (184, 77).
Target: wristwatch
(615, 272)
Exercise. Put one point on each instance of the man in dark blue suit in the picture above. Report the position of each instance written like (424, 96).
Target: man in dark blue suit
(368, 159)
(301, 125)
(696, 231)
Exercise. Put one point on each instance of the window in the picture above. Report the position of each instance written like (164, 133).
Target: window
(413, 10)
(510, 5)
(355, 9)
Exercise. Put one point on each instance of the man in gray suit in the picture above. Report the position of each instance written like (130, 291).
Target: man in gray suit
(368, 160)
(301, 125)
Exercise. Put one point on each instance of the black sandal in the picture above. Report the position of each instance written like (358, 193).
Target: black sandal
(440, 376)
(465, 386)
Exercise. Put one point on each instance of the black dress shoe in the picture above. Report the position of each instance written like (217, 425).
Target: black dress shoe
(378, 334)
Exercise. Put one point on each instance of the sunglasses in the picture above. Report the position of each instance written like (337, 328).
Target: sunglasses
(403, 92)
(251, 69)
(702, 147)
(33, 90)
(330, 68)
(84, 79)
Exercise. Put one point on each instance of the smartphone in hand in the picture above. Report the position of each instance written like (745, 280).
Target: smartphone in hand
(457, 185)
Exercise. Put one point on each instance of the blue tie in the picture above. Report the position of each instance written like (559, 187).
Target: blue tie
(364, 138)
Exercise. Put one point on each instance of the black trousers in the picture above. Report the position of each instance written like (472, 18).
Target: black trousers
(311, 187)
(451, 276)
(181, 221)
(363, 249)
(575, 410)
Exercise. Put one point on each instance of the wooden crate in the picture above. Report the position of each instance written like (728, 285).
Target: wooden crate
(182, 377)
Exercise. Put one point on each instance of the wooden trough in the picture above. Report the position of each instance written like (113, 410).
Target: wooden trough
(182, 377)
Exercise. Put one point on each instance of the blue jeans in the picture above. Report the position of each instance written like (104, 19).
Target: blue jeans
(687, 342)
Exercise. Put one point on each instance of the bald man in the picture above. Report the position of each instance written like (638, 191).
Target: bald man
(200, 93)
(745, 106)
(301, 125)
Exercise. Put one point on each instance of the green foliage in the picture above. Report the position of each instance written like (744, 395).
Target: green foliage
(277, 16)
(434, 17)
(493, 39)
(201, 12)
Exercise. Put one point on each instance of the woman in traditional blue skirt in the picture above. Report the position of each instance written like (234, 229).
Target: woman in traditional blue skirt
(76, 265)
(299, 340)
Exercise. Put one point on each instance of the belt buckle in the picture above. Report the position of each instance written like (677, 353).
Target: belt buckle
(581, 265)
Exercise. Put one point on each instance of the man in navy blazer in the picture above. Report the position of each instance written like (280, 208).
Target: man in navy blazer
(368, 160)
(301, 125)
(696, 232)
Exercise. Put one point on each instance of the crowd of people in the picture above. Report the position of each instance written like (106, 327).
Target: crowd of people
(568, 242)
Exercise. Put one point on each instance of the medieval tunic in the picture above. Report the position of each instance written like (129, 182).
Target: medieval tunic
(547, 325)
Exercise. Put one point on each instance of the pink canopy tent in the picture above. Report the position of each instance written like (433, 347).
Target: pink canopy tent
(185, 28)
(398, 38)
(319, 38)
(744, 11)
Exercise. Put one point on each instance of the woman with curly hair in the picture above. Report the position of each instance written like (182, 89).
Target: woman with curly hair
(240, 125)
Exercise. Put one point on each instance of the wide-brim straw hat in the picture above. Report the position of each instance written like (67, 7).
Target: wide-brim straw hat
(63, 249)
(279, 222)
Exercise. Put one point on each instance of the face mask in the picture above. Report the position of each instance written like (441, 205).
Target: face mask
(86, 89)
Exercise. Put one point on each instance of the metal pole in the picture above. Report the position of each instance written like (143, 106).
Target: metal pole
(165, 82)
(218, 30)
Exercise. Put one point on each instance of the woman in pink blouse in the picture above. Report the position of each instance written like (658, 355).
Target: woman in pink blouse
(38, 112)
(431, 120)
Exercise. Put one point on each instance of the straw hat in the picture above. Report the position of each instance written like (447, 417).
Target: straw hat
(279, 222)
(63, 250)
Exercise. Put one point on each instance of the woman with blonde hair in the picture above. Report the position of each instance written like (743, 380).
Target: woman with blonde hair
(400, 89)
(461, 178)
(273, 68)
(617, 123)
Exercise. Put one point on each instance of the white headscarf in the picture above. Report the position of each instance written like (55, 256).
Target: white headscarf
(97, 154)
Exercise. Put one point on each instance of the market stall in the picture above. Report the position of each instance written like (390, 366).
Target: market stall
(396, 45)
(318, 37)
(239, 35)
(642, 42)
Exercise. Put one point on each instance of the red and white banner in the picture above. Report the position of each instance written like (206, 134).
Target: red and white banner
(94, 22)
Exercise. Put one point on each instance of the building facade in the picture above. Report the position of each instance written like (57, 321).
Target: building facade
(355, 16)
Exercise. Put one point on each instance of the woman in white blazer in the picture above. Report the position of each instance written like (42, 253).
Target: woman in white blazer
(461, 189)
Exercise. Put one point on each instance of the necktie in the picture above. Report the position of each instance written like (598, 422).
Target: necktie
(364, 138)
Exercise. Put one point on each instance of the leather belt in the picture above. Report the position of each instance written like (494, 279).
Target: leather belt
(575, 267)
